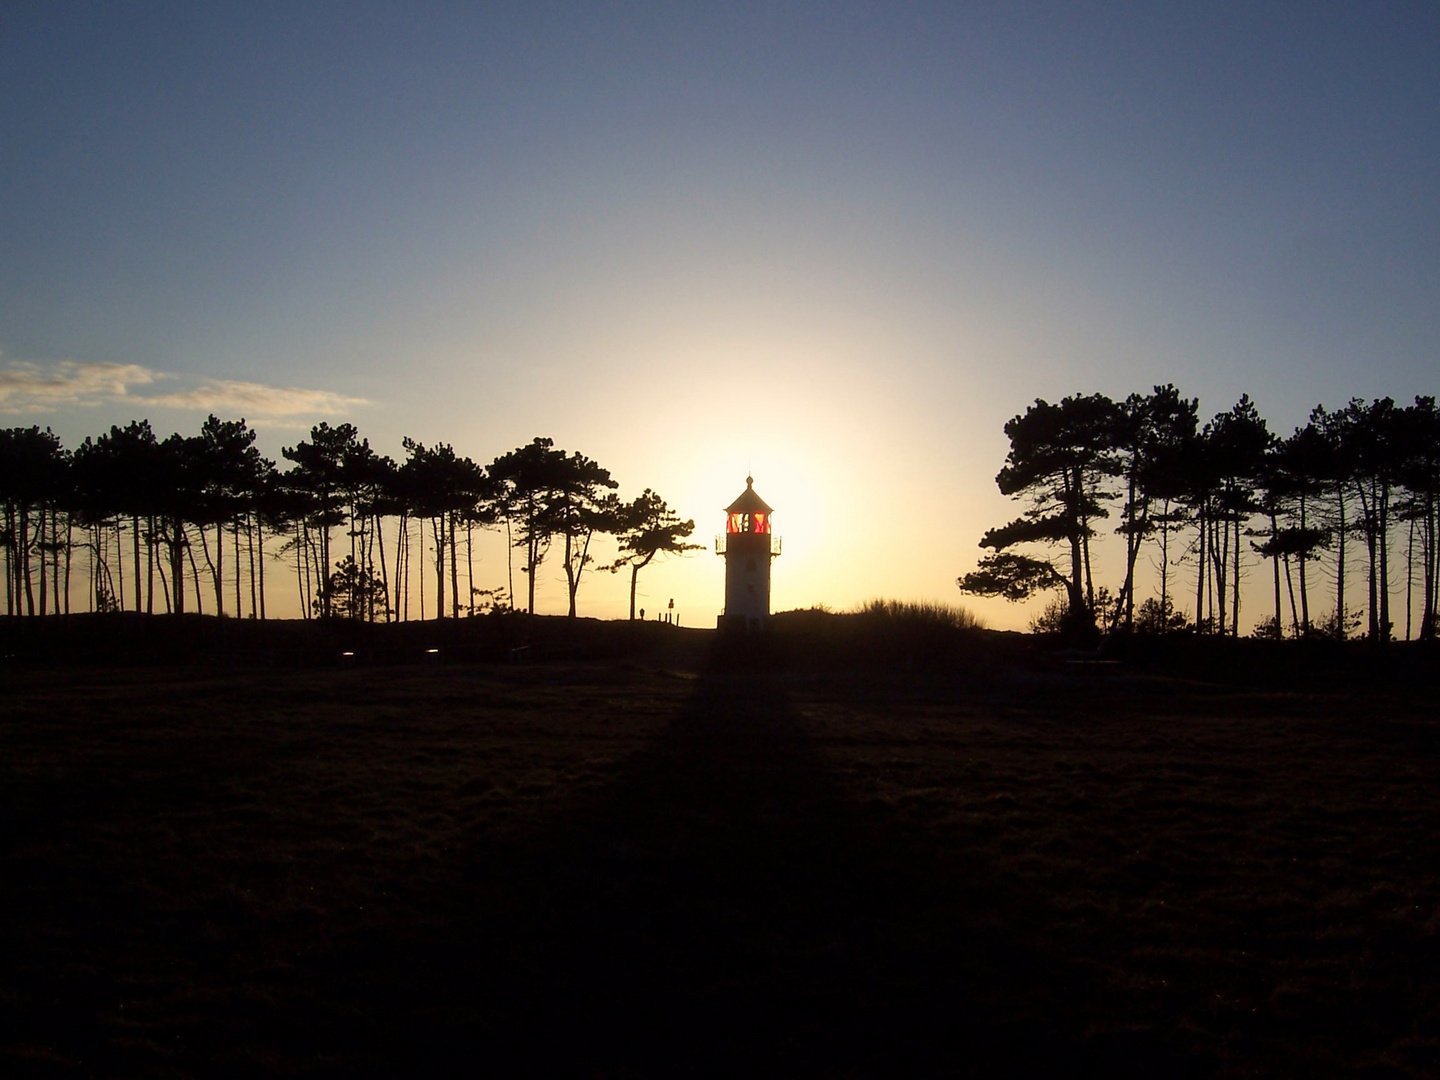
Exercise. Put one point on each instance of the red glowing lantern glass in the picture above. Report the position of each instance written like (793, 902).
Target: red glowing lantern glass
(739, 523)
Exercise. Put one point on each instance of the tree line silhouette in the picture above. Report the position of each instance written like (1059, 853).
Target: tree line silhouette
(175, 524)
(1216, 496)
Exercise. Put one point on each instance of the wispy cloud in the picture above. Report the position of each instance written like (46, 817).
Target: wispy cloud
(28, 387)
(25, 385)
(256, 399)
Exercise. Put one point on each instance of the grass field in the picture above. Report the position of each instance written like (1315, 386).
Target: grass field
(611, 870)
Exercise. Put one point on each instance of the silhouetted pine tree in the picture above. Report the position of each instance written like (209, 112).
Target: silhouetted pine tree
(1060, 458)
(526, 480)
(647, 528)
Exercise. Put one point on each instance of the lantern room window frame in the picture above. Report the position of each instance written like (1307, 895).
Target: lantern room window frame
(756, 524)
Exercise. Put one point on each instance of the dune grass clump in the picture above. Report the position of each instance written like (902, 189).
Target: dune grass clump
(921, 613)
(880, 632)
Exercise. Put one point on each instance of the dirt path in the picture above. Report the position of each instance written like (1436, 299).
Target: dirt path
(723, 909)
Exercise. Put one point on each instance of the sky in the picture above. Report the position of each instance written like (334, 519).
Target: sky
(835, 246)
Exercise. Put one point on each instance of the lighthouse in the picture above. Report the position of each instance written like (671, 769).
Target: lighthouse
(748, 547)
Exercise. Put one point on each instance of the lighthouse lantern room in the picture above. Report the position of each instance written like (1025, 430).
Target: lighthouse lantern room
(748, 548)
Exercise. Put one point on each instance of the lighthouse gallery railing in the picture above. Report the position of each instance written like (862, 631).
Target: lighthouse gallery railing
(774, 545)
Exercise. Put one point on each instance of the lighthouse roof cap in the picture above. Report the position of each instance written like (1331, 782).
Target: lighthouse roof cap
(748, 502)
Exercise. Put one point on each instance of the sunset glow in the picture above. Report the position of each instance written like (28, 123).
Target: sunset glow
(834, 250)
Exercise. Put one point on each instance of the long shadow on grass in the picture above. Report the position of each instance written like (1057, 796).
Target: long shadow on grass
(724, 910)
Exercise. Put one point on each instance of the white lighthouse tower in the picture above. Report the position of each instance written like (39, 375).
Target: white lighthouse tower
(748, 548)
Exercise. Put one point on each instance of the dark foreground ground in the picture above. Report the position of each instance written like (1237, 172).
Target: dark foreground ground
(602, 870)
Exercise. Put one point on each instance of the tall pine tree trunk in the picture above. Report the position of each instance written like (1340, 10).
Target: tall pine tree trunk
(135, 550)
(1221, 557)
(1132, 549)
(1368, 510)
(1203, 570)
(1235, 585)
(323, 562)
(25, 559)
(510, 561)
(300, 561)
(9, 559)
(217, 568)
(195, 568)
(250, 554)
(69, 554)
(55, 557)
(1077, 582)
(379, 545)
(1340, 631)
(454, 571)
(1290, 586)
(119, 594)
(116, 576)
(150, 564)
(260, 543)
(40, 547)
(402, 541)
(1383, 522)
(1409, 577)
(437, 526)
(532, 550)
(178, 541)
(164, 586)
(1304, 592)
(1275, 563)
(570, 584)
(1165, 563)
(1427, 620)
(239, 607)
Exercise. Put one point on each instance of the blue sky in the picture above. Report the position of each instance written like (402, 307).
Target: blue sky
(839, 244)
